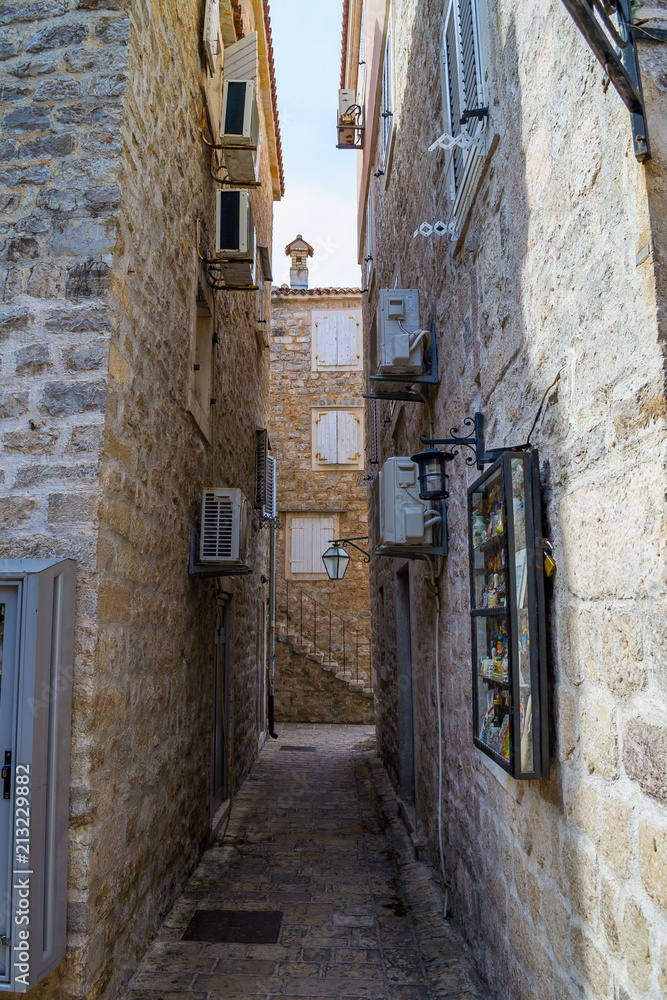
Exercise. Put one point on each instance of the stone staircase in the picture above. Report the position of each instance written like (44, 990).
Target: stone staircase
(361, 686)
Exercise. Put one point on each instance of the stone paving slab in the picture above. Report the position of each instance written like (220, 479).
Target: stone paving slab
(316, 836)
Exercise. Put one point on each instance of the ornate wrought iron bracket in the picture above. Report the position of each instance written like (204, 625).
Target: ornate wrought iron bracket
(607, 27)
(474, 441)
(350, 541)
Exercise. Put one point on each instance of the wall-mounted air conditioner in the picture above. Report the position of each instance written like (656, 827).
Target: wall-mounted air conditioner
(235, 238)
(401, 340)
(239, 130)
(405, 525)
(225, 529)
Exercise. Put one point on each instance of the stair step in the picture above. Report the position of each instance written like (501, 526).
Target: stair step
(344, 675)
(316, 657)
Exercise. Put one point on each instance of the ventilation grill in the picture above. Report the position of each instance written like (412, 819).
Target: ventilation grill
(229, 237)
(217, 531)
(235, 107)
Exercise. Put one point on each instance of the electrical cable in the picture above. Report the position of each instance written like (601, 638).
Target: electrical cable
(537, 415)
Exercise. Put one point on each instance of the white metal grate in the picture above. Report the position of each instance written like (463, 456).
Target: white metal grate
(217, 530)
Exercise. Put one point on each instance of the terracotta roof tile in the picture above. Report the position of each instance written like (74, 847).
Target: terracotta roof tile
(286, 290)
(274, 96)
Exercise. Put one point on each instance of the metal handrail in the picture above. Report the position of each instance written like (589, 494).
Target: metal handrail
(344, 643)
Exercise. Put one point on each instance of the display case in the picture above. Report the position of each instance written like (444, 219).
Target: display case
(510, 705)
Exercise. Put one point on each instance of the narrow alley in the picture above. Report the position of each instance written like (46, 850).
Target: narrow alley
(316, 848)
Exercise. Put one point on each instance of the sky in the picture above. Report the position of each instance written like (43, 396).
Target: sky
(320, 180)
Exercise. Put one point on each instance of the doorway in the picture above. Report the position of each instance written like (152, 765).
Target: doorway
(404, 678)
(221, 720)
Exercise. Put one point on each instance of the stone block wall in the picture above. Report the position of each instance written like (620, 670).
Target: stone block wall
(102, 177)
(305, 692)
(295, 390)
(559, 884)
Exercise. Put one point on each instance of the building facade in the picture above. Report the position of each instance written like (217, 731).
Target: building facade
(130, 385)
(316, 430)
(535, 236)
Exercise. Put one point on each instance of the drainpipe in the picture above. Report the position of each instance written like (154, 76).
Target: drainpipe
(272, 627)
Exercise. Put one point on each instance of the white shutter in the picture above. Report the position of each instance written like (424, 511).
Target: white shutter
(298, 545)
(325, 437)
(326, 340)
(387, 96)
(212, 34)
(310, 538)
(348, 340)
(348, 438)
(322, 538)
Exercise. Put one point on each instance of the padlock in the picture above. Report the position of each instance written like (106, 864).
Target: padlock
(549, 561)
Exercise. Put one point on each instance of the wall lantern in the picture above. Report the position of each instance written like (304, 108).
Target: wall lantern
(336, 559)
(432, 477)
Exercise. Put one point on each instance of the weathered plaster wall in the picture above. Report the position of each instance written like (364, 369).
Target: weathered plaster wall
(295, 390)
(561, 884)
(103, 175)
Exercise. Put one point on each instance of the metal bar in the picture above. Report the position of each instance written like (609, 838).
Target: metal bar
(344, 663)
(287, 607)
(301, 622)
(315, 629)
(357, 655)
(329, 636)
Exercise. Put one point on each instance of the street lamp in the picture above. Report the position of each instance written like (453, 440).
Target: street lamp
(432, 477)
(336, 559)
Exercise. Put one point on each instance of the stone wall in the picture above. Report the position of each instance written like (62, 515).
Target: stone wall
(305, 692)
(103, 177)
(560, 885)
(295, 390)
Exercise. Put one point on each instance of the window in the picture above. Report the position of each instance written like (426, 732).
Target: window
(336, 340)
(202, 368)
(462, 83)
(309, 536)
(361, 78)
(338, 438)
(369, 239)
(387, 100)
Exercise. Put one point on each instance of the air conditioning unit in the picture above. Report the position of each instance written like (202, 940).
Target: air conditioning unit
(400, 341)
(235, 238)
(403, 522)
(225, 529)
(239, 130)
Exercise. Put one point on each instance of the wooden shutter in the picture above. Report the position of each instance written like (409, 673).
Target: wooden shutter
(325, 438)
(462, 84)
(261, 456)
(454, 87)
(468, 60)
(310, 538)
(348, 340)
(326, 340)
(348, 438)
(387, 96)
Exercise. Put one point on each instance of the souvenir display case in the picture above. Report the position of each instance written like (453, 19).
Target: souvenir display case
(510, 711)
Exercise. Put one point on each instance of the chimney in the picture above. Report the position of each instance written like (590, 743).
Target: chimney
(299, 251)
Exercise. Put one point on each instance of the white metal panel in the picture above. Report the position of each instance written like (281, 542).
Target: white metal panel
(326, 340)
(347, 437)
(326, 438)
(241, 59)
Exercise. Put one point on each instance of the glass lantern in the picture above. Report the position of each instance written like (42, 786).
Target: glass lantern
(510, 710)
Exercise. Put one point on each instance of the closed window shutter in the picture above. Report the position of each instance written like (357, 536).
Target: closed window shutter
(310, 538)
(452, 71)
(470, 90)
(348, 438)
(326, 341)
(348, 353)
(387, 96)
(325, 428)
(298, 545)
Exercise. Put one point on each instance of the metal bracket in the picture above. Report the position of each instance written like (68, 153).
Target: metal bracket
(474, 441)
(215, 264)
(463, 139)
(350, 541)
(607, 27)
(411, 388)
(207, 572)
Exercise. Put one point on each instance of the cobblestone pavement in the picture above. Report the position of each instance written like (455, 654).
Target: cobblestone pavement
(314, 834)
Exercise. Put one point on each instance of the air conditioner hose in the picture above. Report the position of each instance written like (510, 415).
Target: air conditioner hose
(415, 336)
